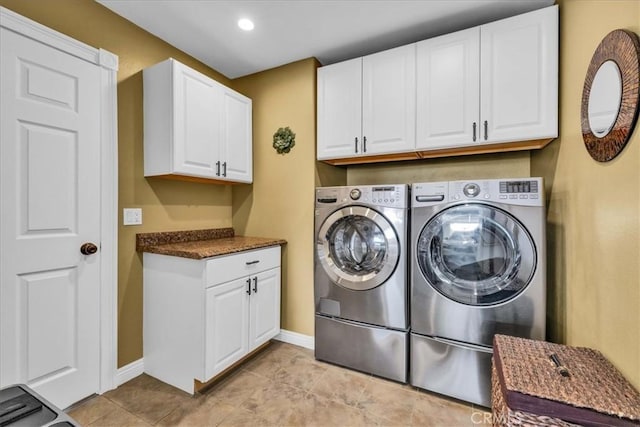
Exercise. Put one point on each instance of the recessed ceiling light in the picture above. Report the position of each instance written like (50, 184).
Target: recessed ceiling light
(245, 24)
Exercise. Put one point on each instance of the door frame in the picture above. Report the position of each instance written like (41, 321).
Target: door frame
(108, 62)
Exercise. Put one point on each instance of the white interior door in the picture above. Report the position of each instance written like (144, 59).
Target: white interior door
(50, 193)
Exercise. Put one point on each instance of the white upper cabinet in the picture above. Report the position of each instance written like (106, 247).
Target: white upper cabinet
(389, 101)
(194, 126)
(340, 109)
(448, 87)
(366, 106)
(519, 77)
(236, 149)
(496, 83)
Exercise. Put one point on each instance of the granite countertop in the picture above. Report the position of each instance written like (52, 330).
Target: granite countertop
(200, 244)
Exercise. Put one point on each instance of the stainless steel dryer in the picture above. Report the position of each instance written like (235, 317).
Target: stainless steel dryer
(477, 269)
(360, 278)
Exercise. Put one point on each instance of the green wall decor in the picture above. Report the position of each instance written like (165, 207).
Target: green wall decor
(284, 140)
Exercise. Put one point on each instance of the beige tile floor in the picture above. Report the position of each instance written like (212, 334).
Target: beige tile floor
(282, 386)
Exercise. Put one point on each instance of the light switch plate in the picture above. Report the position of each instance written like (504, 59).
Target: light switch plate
(132, 216)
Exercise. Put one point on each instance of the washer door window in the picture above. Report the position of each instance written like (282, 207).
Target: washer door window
(476, 254)
(358, 248)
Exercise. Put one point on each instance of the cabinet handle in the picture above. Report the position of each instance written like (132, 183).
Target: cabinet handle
(486, 125)
(218, 168)
(249, 286)
(255, 284)
(252, 262)
(474, 131)
(356, 145)
(224, 169)
(364, 144)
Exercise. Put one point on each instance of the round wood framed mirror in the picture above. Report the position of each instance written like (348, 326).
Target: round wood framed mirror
(610, 95)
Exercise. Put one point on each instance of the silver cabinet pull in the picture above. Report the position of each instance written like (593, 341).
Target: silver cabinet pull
(218, 168)
(356, 144)
(486, 125)
(474, 131)
(255, 284)
(364, 144)
(252, 262)
(224, 169)
(249, 286)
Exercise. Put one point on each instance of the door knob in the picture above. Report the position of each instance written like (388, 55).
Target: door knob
(88, 249)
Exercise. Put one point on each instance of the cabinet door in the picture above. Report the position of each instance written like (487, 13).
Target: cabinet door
(519, 77)
(448, 90)
(236, 150)
(389, 101)
(265, 307)
(227, 325)
(340, 109)
(197, 112)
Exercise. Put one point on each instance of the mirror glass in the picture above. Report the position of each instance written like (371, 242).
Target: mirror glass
(604, 99)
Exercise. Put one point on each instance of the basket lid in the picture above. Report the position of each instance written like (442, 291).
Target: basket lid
(591, 391)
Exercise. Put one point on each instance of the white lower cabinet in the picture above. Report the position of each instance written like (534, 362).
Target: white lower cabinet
(202, 316)
(236, 322)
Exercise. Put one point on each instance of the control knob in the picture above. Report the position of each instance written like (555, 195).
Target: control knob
(471, 190)
(355, 194)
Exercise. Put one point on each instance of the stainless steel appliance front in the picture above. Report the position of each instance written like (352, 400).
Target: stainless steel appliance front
(477, 269)
(360, 277)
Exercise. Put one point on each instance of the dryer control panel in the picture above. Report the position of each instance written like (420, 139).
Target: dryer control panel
(517, 191)
(393, 196)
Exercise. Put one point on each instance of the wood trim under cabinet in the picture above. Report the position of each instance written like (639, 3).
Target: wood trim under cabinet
(373, 159)
(487, 148)
(444, 152)
(188, 178)
(202, 386)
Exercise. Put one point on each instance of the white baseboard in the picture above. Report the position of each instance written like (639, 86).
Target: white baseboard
(295, 338)
(136, 368)
(129, 372)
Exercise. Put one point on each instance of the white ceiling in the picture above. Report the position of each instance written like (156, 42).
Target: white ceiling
(290, 30)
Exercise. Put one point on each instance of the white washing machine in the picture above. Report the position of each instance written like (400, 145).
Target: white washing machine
(477, 269)
(360, 278)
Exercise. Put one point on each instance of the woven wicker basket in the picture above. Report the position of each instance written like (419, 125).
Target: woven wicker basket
(529, 389)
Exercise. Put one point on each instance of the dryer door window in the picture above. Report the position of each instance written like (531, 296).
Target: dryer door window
(358, 248)
(476, 254)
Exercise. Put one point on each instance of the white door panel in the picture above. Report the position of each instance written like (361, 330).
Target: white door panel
(389, 101)
(237, 148)
(50, 193)
(265, 308)
(340, 109)
(448, 90)
(226, 329)
(519, 77)
(197, 122)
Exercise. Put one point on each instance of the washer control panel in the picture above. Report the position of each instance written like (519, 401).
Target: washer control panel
(471, 190)
(520, 191)
(379, 195)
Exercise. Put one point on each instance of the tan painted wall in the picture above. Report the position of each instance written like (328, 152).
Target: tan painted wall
(279, 203)
(594, 208)
(166, 205)
(594, 278)
(503, 165)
